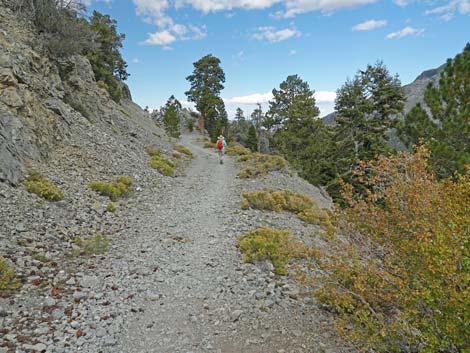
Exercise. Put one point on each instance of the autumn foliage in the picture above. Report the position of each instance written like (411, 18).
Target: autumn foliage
(398, 264)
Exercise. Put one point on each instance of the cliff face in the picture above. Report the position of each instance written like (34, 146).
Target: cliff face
(48, 106)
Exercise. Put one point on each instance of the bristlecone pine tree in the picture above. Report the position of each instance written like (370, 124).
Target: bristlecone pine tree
(445, 125)
(206, 83)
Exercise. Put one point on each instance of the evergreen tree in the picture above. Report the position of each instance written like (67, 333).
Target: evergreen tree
(366, 107)
(171, 118)
(252, 139)
(108, 65)
(239, 127)
(445, 124)
(302, 138)
(206, 83)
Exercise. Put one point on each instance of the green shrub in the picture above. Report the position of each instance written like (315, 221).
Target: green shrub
(152, 151)
(111, 208)
(278, 246)
(397, 268)
(36, 184)
(95, 245)
(258, 164)
(208, 144)
(284, 200)
(184, 150)
(164, 166)
(121, 188)
(236, 149)
(8, 280)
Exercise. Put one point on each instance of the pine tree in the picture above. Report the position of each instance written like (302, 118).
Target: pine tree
(171, 118)
(252, 139)
(444, 121)
(206, 83)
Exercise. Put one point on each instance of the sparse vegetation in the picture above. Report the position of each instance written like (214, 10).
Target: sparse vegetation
(278, 246)
(152, 151)
(258, 164)
(208, 144)
(237, 149)
(37, 184)
(40, 257)
(164, 166)
(8, 280)
(184, 150)
(111, 208)
(286, 200)
(121, 188)
(95, 245)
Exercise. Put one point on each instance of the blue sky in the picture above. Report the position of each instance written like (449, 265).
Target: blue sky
(261, 42)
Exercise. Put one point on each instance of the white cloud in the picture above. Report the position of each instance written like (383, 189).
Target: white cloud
(292, 52)
(295, 7)
(369, 25)
(402, 3)
(89, 2)
(448, 11)
(250, 99)
(163, 38)
(274, 35)
(154, 11)
(407, 31)
(325, 96)
(135, 61)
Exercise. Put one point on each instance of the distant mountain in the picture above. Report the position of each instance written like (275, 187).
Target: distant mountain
(414, 92)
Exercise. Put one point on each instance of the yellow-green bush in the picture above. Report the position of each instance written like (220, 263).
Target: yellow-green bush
(95, 245)
(8, 280)
(237, 150)
(121, 188)
(111, 208)
(278, 246)
(398, 266)
(37, 184)
(164, 166)
(278, 200)
(208, 144)
(152, 151)
(184, 150)
(257, 164)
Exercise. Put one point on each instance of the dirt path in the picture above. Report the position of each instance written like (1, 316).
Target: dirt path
(177, 283)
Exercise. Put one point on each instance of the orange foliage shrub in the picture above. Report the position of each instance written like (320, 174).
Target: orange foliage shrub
(398, 265)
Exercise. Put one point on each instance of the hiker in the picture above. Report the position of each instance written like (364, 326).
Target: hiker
(221, 144)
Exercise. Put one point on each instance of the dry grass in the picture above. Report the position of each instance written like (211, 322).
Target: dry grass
(152, 151)
(95, 245)
(208, 144)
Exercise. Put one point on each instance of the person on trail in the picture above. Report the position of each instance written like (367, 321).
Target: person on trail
(221, 144)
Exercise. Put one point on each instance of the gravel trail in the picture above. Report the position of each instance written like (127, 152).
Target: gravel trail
(174, 281)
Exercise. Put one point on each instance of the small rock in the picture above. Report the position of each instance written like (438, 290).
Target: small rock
(20, 227)
(235, 315)
(49, 301)
(57, 314)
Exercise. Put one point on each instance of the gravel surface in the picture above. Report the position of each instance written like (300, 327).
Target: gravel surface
(174, 280)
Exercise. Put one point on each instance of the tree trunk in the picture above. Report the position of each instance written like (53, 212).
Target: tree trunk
(201, 123)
